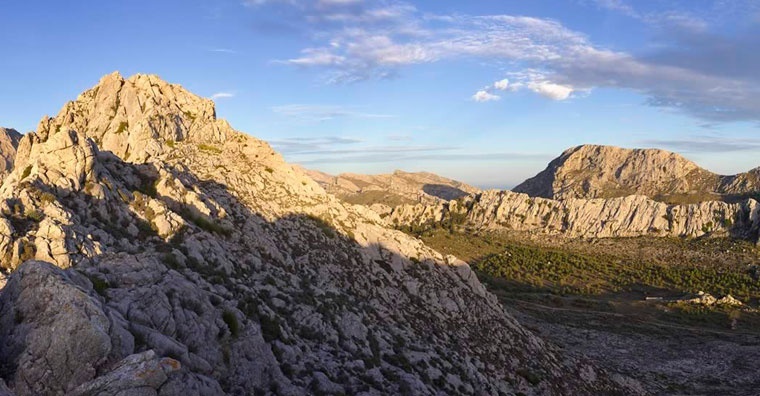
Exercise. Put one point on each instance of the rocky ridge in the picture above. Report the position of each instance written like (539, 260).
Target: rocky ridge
(191, 259)
(629, 216)
(385, 191)
(592, 171)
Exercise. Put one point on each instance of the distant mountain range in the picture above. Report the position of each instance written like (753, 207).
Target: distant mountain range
(601, 191)
(393, 189)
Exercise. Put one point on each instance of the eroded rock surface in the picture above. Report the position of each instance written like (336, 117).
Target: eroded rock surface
(629, 216)
(190, 259)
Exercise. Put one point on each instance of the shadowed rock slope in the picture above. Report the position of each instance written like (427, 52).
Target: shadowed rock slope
(592, 171)
(154, 250)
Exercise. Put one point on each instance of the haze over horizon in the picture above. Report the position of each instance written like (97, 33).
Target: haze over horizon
(484, 92)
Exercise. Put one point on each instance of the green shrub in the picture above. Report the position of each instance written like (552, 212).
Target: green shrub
(100, 285)
(231, 320)
(27, 171)
(323, 225)
(47, 198)
(270, 328)
(122, 127)
(35, 215)
(28, 251)
(209, 148)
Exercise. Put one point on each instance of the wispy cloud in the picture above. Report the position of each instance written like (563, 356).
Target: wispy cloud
(370, 156)
(705, 144)
(300, 145)
(312, 112)
(222, 50)
(341, 150)
(360, 40)
(617, 6)
(222, 95)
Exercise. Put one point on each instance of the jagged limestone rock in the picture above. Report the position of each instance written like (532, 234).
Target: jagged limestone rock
(629, 216)
(199, 243)
(592, 171)
(139, 374)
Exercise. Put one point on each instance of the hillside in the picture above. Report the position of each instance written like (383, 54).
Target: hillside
(152, 249)
(592, 171)
(389, 190)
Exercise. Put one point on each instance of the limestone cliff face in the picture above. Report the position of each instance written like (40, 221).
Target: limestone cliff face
(190, 259)
(592, 171)
(629, 216)
(9, 139)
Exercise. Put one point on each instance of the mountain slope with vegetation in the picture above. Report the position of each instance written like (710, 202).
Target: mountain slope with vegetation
(152, 248)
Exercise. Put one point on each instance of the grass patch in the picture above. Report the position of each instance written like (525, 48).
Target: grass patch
(209, 148)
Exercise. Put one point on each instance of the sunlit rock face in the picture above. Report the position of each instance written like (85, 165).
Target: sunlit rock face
(154, 250)
(592, 171)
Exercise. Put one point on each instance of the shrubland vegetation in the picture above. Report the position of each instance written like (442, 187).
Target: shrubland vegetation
(595, 278)
(666, 266)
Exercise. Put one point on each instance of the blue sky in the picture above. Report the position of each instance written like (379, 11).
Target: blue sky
(485, 91)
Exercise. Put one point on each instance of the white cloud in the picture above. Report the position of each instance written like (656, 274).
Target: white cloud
(551, 90)
(377, 39)
(485, 96)
(222, 95)
(501, 85)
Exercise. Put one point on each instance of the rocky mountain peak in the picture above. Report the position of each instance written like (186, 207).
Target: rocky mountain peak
(139, 117)
(145, 236)
(595, 171)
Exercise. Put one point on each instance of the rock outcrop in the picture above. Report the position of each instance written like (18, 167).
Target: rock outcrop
(9, 139)
(629, 216)
(190, 259)
(384, 192)
(592, 171)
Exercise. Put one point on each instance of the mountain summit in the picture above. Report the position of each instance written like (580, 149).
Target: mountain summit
(152, 248)
(592, 171)
(136, 117)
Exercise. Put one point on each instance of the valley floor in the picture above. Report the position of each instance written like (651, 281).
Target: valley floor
(589, 299)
